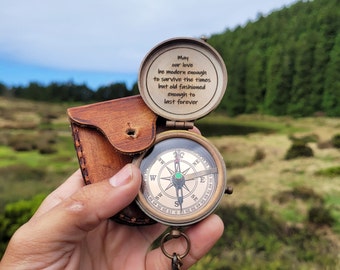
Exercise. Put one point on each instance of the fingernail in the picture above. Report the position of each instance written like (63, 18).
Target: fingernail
(122, 177)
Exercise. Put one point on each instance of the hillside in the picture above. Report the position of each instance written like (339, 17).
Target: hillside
(287, 63)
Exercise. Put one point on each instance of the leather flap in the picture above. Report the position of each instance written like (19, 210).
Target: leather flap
(128, 124)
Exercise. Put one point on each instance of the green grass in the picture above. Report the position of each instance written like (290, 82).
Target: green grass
(23, 174)
(333, 202)
(64, 158)
(291, 213)
(329, 172)
(255, 238)
(7, 156)
(217, 124)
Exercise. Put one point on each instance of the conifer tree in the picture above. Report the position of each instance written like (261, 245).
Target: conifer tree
(254, 81)
(300, 102)
(331, 97)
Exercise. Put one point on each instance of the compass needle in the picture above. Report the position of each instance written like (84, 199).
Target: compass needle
(200, 174)
(179, 193)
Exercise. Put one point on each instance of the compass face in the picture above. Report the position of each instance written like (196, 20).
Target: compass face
(184, 179)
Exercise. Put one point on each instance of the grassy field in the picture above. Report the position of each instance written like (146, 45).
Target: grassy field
(28, 130)
(260, 174)
(267, 176)
(37, 154)
(295, 193)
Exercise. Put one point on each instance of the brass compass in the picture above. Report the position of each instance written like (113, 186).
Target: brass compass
(184, 175)
(183, 178)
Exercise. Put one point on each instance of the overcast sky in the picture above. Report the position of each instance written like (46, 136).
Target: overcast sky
(99, 42)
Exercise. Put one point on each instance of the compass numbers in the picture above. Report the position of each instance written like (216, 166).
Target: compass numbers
(178, 154)
(203, 180)
(195, 162)
(179, 182)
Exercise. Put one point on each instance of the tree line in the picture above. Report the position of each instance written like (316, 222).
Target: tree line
(286, 63)
(68, 92)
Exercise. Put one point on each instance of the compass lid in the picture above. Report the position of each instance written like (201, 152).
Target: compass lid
(182, 79)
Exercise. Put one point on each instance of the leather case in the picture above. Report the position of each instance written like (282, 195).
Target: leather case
(106, 137)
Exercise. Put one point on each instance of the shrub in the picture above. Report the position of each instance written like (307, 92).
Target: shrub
(255, 238)
(45, 149)
(305, 139)
(336, 141)
(324, 144)
(306, 193)
(48, 136)
(14, 216)
(320, 215)
(302, 193)
(236, 179)
(209, 262)
(329, 172)
(259, 155)
(42, 141)
(23, 142)
(299, 149)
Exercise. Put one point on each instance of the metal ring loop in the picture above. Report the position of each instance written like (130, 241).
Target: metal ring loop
(175, 234)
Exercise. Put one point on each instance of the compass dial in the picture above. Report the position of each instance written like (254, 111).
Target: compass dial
(184, 178)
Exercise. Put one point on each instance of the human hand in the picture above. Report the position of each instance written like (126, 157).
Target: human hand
(72, 230)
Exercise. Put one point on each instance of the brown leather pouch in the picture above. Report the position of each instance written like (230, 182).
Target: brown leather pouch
(106, 137)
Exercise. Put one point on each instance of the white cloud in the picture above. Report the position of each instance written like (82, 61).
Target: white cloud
(108, 35)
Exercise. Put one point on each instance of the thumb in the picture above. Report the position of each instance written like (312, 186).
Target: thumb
(85, 209)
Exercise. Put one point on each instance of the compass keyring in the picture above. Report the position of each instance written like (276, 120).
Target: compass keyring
(174, 234)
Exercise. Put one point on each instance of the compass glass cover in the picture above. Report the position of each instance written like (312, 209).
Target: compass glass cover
(180, 182)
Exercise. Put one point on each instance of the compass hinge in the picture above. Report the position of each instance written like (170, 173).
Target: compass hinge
(179, 124)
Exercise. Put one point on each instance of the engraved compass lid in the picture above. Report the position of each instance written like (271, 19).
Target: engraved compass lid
(182, 79)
